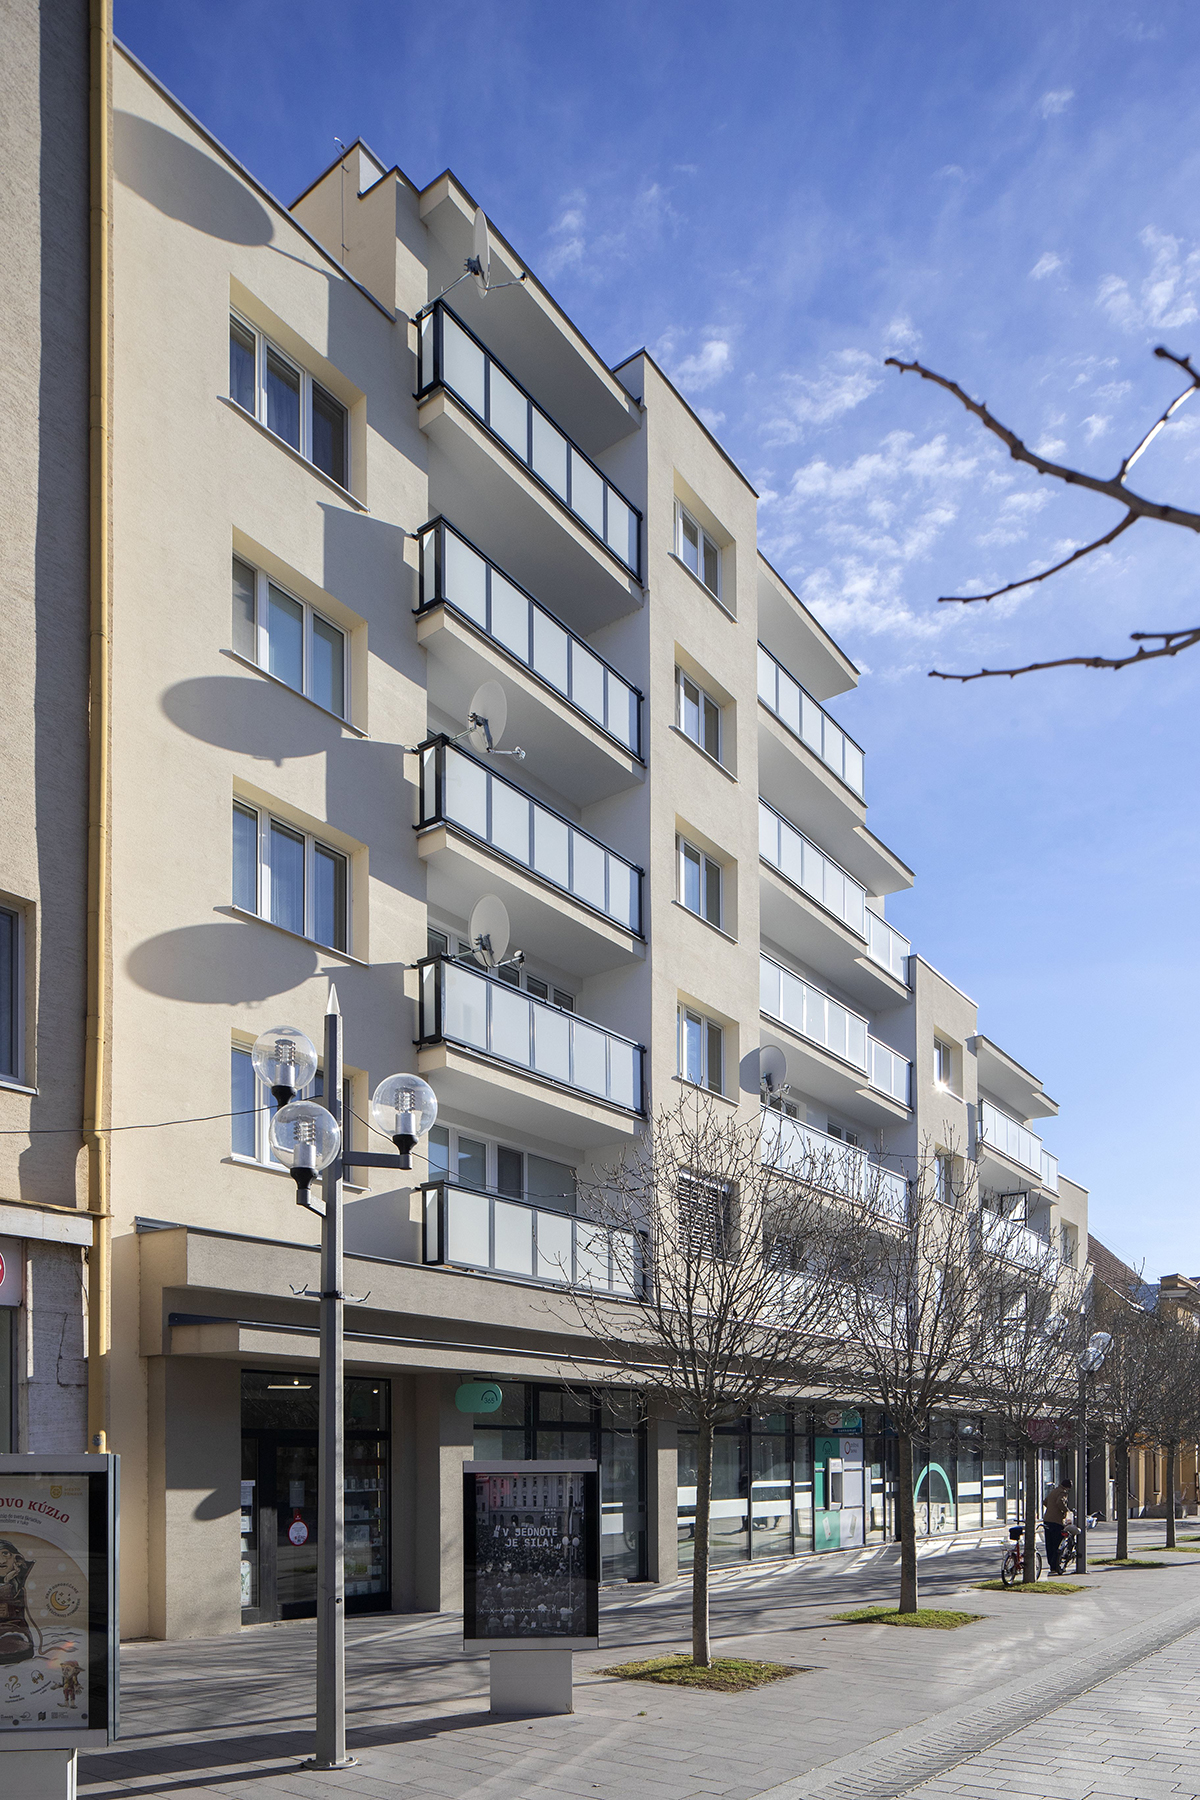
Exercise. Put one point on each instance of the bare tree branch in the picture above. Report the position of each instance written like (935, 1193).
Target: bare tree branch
(1030, 580)
(1173, 642)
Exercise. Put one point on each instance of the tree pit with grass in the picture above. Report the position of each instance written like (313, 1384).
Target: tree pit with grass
(723, 1674)
(923, 1618)
(1034, 1587)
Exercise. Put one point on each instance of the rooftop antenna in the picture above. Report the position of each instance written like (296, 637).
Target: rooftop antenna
(487, 717)
(342, 148)
(479, 266)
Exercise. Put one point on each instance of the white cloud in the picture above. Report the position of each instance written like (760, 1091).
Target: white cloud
(1046, 264)
(1096, 425)
(712, 419)
(1051, 447)
(901, 334)
(701, 369)
(1166, 297)
(1055, 102)
(847, 378)
(568, 242)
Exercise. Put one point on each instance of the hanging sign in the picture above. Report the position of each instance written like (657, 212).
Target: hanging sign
(531, 1539)
(478, 1396)
(58, 1602)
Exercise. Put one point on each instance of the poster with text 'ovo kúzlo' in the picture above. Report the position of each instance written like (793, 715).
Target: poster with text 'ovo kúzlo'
(43, 1602)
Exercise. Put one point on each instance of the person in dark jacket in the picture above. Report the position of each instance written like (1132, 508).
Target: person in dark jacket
(1055, 1514)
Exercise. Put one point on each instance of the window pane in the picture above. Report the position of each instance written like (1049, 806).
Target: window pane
(245, 637)
(510, 1172)
(285, 633)
(712, 728)
(509, 413)
(692, 1047)
(546, 1180)
(715, 1073)
(689, 877)
(287, 877)
(438, 1152)
(245, 858)
(329, 434)
(329, 666)
(243, 1104)
(8, 994)
(566, 1001)
(472, 1163)
(329, 898)
(549, 454)
(712, 891)
(689, 708)
(712, 566)
(283, 399)
(464, 579)
(587, 493)
(689, 543)
(462, 364)
(241, 365)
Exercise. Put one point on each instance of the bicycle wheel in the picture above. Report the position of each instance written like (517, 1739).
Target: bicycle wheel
(1009, 1569)
(1037, 1566)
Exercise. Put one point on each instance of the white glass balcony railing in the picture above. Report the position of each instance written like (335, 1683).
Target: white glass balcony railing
(807, 719)
(800, 862)
(830, 1163)
(454, 572)
(1012, 1239)
(457, 790)
(1018, 1143)
(452, 356)
(462, 1005)
(510, 1237)
(815, 1015)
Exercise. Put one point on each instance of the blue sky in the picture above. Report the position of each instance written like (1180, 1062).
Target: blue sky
(773, 197)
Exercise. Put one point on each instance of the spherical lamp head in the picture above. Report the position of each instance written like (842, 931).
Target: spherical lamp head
(306, 1138)
(285, 1061)
(403, 1108)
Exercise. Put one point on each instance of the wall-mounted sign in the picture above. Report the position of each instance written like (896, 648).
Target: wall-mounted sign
(478, 1396)
(531, 1540)
(58, 1602)
(10, 1272)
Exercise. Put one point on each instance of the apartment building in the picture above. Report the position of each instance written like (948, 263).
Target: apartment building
(360, 510)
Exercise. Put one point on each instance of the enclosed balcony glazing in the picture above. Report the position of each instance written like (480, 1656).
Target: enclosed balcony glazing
(817, 1016)
(799, 861)
(453, 357)
(499, 1236)
(461, 1005)
(807, 720)
(1009, 1238)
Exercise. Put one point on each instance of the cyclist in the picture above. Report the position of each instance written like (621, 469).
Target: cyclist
(1055, 1514)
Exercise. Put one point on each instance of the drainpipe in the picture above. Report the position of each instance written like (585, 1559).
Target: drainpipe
(96, 1099)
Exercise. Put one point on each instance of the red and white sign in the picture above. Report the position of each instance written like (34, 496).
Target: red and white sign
(10, 1271)
(298, 1531)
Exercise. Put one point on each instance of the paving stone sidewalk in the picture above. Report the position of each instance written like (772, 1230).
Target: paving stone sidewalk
(875, 1712)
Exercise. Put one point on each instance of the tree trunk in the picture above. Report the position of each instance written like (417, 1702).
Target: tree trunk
(1122, 1501)
(1170, 1496)
(1032, 1512)
(704, 1448)
(906, 1501)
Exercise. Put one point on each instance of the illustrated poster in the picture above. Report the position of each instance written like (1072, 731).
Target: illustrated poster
(44, 1602)
(531, 1560)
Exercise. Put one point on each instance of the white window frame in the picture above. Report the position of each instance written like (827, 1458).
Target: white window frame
(492, 1147)
(264, 1157)
(265, 818)
(686, 1015)
(17, 1024)
(263, 583)
(682, 850)
(703, 538)
(943, 1065)
(263, 344)
(704, 698)
(458, 947)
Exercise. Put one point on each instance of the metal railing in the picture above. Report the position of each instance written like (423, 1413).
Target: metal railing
(458, 790)
(462, 1005)
(456, 574)
(815, 1015)
(807, 719)
(1017, 1142)
(799, 861)
(830, 1163)
(453, 357)
(502, 1236)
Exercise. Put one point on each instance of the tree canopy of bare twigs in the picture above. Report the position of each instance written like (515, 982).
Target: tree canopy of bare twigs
(1173, 1415)
(1136, 507)
(1126, 1390)
(706, 1229)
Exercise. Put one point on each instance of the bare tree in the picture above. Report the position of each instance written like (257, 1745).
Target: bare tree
(1113, 487)
(1173, 1407)
(1126, 1387)
(707, 1231)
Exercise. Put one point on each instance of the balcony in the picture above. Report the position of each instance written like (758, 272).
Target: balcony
(824, 1021)
(807, 720)
(534, 856)
(499, 1236)
(1016, 1142)
(1011, 1239)
(832, 1164)
(497, 1053)
(835, 890)
(452, 357)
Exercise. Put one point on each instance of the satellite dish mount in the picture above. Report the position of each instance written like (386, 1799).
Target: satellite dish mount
(487, 717)
(488, 931)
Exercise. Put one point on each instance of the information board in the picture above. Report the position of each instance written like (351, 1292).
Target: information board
(531, 1538)
(58, 1602)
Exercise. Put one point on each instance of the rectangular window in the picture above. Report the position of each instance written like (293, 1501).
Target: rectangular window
(698, 551)
(288, 638)
(943, 1064)
(701, 1051)
(10, 993)
(281, 395)
(286, 875)
(704, 1221)
(496, 1168)
(700, 879)
(253, 1106)
(697, 715)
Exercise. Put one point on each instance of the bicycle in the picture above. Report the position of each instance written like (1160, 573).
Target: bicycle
(1012, 1569)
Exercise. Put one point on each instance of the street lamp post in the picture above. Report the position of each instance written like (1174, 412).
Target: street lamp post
(1092, 1359)
(309, 1139)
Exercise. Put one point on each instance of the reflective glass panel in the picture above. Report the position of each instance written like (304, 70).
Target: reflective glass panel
(587, 682)
(243, 1104)
(287, 877)
(285, 635)
(509, 412)
(329, 434)
(549, 454)
(241, 366)
(550, 651)
(462, 364)
(587, 493)
(245, 858)
(283, 399)
(510, 617)
(329, 666)
(464, 578)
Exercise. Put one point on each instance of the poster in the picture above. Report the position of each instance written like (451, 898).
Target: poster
(532, 1543)
(57, 1613)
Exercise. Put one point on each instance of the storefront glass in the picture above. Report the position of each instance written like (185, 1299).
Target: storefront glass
(771, 1486)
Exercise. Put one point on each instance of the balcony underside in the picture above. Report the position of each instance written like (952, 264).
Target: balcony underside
(562, 746)
(795, 781)
(818, 1075)
(544, 920)
(475, 1087)
(1002, 1174)
(814, 936)
(503, 509)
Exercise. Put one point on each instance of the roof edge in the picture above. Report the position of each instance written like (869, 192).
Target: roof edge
(716, 443)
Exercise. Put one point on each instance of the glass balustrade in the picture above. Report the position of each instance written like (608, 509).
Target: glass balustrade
(806, 867)
(464, 1006)
(807, 719)
(817, 1016)
(1016, 1141)
(452, 356)
(510, 1237)
(458, 790)
(454, 572)
(830, 1163)
(1012, 1239)
(1049, 1171)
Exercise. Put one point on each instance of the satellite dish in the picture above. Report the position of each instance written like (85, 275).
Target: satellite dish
(488, 930)
(487, 716)
(772, 1068)
(481, 262)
